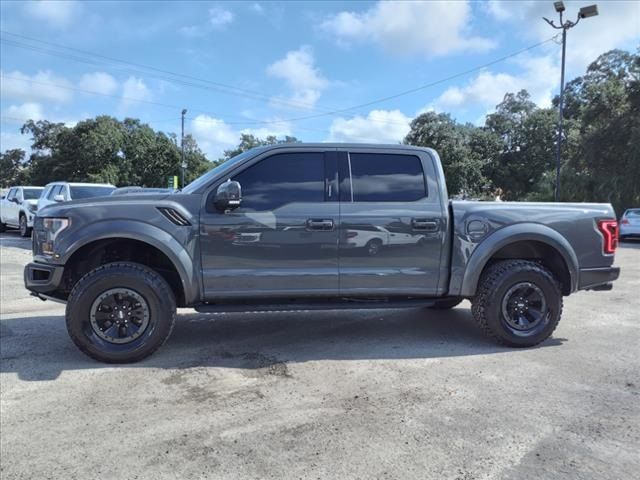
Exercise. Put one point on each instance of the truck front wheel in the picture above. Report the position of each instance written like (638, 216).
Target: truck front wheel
(120, 312)
(518, 303)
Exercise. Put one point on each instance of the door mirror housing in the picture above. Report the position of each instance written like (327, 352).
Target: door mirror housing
(228, 196)
(58, 198)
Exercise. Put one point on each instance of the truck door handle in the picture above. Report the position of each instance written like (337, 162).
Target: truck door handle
(424, 224)
(319, 224)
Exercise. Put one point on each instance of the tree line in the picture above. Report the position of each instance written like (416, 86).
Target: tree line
(511, 155)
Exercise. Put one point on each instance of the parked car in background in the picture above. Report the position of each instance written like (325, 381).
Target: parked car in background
(56, 192)
(18, 208)
(630, 224)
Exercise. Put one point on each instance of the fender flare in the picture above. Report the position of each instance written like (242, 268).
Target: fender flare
(512, 234)
(146, 233)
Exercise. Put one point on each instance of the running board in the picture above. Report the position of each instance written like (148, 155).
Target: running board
(305, 306)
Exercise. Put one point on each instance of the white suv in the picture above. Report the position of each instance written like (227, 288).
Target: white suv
(56, 192)
(18, 208)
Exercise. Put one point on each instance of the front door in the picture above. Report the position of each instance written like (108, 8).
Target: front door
(392, 227)
(283, 239)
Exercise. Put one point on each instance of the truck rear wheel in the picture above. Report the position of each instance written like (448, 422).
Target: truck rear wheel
(518, 303)
(120, 312)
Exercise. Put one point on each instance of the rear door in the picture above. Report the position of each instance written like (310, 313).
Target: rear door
(392, 226)
(283, 239)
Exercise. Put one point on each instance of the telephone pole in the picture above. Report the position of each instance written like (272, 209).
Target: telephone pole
(184, 164)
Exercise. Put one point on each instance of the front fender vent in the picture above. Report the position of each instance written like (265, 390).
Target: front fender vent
(174, 216)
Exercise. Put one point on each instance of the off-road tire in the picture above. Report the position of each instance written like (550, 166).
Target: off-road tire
(495, 283)
(25, 231)
(148, 284)
(446, 304)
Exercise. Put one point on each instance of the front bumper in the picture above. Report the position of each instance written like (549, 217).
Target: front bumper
(43, 277)
(598, 278)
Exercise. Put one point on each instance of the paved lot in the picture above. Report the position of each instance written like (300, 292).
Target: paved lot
(375, 394)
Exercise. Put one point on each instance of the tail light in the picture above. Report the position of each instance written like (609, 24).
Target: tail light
(624, 221)
(609, 230)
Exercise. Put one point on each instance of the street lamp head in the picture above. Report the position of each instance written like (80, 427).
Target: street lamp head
(590, 11)
(559, 6)
(184, 111)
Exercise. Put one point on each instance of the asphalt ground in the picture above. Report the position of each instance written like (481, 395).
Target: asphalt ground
(339, 394)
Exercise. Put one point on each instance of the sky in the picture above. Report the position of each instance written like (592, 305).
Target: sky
(320, 71)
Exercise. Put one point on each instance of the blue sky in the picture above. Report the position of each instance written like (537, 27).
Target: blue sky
(266, 67)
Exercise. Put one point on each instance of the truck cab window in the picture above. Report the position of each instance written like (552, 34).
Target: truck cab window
(378, 177)
(282, 179)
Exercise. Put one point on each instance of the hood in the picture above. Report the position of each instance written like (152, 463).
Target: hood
(64, 208)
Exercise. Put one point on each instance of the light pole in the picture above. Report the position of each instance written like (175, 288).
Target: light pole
(585, 12)
(184, 165)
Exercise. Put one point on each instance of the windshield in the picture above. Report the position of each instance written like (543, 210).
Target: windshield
(31, 193)
(228, 165)
(88, 192)
(633, 213)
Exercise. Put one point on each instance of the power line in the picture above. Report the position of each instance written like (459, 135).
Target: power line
(222, 87)
(289, 120)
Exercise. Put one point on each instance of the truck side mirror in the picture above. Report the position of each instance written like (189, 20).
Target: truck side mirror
(228, 196)
(58, 198)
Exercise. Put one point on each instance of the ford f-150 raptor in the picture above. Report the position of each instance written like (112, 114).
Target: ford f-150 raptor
(276, 228)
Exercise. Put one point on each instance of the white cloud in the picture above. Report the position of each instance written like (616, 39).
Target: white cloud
(134, 89)
(59, 14)
(21, 113)
(616, 26)
(539, 76)
(379, 126)
(408, 27)
(297, 69)
(99, 82)
(43, 86)
(220, 17)
(214, 136)
(257, 8)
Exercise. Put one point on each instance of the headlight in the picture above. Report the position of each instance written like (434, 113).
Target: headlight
(32, 207)
(51, 229)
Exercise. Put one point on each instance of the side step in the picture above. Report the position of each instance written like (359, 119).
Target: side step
(347, 304)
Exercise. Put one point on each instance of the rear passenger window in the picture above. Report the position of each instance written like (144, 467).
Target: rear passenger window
(282, 179)
(378, 177)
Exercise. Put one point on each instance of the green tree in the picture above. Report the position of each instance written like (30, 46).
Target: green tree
(604, 104)
(249, 141)
(13, 170)
(463, 168)
(527, 135)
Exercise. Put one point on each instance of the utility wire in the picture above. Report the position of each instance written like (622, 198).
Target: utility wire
(289, 120)
(225, 88)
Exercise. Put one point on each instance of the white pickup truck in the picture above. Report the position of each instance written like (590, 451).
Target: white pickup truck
(18, 208)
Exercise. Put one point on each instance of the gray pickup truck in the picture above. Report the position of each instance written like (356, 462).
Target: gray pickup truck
(310, 226)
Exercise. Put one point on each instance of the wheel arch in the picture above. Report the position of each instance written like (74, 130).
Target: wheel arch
(100, 234)
(527, 241)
